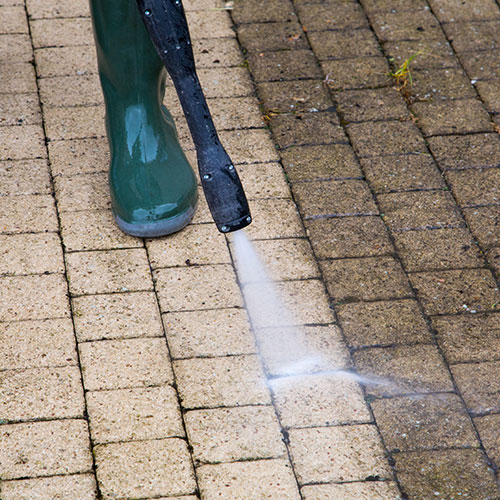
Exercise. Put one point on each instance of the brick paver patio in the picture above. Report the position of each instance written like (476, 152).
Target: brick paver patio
(129, 367)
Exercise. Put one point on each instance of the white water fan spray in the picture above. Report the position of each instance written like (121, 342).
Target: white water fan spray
(281, 342)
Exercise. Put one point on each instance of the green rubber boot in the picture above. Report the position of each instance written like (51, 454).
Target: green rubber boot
(153, 188)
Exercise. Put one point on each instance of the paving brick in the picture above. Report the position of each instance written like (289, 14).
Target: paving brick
(236, 112)
(24, 177)
(333, 454)
(493, 257)
(66, 91)
(468, 338)
(196, 244)
(217, 52)
(321, 17)
(307, 129)
(144, 468)
(226, 381)
(482, 65)
(119, 364)
(488, 432)
(251, 480)
(403, 172)
(261, 37)
(61, 32)
(35, 344)
(419, 210)
(44, 449)
(370, 278)
(305, 299)
(344, 44)
(25, 214)
(320, 162)
(410, 25)
(134, 414)
(488, 92)
(432, 54)
(209, 333)
(22, 142)
(454, 10)
(73, 487)
(18, 76)
(276, 257)
(465, 151)
(372, 104)
(31, 254)
(403, 370)
(284, 65)
(93, 230)
(341, 237)
(319, 400)
(451, 473)
(249, 146)
(231, 82)
(464, 290)
(197, 288)
(352, 491)
(20, 109)
(425, 422)
(82, 192)
(38, 393)
(263, 181)
(307, 349)
(383, 323)
(80, 156)
(33, 297)
(66, 8)
(479, 384)
(441, 84)
(190, 5)
(108, 271)
(77, 122)
(384, 138)
(334, 198)
(451, 117)
(356, 73)
(15, 48)
(231, 434)
(294, 96)
(251, 11)
(118, 315)
(389, 5)
(473, 36)
(14, 19)
(209, 24)
(65, 61)
(437, 249)
(484, 222)
(266, 225)
(475, 187)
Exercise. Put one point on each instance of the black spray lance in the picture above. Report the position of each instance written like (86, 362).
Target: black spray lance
(167, 26)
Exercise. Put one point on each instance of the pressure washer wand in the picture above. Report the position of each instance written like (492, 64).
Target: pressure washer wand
(166, 23)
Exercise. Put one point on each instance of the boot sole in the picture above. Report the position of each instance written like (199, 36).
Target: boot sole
(158, 228)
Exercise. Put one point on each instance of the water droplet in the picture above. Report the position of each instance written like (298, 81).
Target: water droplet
(147, 12)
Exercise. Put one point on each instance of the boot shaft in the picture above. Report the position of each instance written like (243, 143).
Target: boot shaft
(129, 67)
